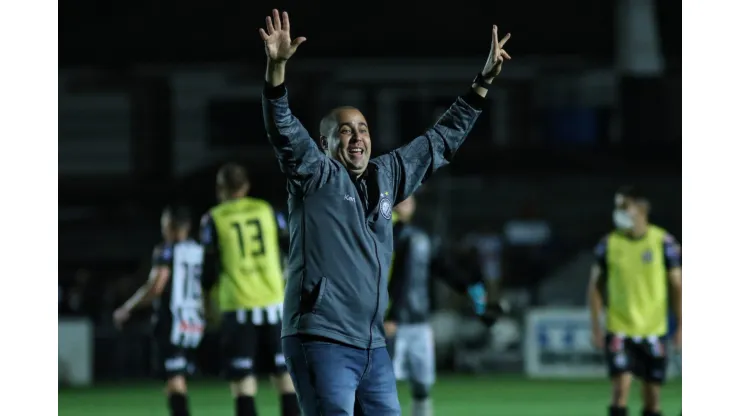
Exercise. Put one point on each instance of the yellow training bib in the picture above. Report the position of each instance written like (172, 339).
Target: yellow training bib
(637, 284)
(250, 273)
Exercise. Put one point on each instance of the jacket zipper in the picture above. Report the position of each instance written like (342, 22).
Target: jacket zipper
(377, 260)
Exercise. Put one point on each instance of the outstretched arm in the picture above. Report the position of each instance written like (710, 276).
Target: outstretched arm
(298, 155)
(413, 163)
(153, 288)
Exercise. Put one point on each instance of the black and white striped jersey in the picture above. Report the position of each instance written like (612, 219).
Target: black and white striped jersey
(267, 315)
(179, 313)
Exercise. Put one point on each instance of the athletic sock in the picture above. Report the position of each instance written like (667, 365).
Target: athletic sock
(289, 405)
(422, 407)
(650, 413)
(617, 411)
(178, 404)
(245, 406)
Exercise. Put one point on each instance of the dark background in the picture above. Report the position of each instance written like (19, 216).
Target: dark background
(217, 31)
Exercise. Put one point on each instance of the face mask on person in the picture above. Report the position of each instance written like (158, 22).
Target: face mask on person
(622, 219)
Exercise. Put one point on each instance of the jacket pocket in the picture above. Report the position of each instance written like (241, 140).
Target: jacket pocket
(312, 297)
(320, 295)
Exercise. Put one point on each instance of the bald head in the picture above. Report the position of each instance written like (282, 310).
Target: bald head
(330, 121)
(345, 136)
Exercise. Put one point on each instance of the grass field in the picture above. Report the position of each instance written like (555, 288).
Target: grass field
(453, 396)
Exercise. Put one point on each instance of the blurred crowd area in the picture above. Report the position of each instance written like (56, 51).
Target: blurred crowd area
(587, 104)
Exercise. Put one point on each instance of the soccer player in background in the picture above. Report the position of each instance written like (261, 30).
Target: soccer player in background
(240, 235)
(407, 321)
(637, 275)
(174, 285)
(340, 207)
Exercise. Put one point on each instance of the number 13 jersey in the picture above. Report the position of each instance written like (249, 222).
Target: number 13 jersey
(244, 235)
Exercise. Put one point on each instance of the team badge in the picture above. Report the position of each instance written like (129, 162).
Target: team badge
(647, 256)
(386, 209)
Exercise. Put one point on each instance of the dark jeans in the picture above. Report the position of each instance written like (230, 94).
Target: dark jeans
(333, 379)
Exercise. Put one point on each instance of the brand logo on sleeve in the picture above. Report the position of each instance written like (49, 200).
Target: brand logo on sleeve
(386, 209)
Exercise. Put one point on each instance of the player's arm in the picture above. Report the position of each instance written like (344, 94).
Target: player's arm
(298, 155)
(672, 253)
(595, 292)
(152, 289)
(209, 241)
(159, 275)
(475, 288)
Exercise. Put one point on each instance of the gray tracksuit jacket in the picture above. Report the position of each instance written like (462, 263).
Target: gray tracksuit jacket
(341, 234)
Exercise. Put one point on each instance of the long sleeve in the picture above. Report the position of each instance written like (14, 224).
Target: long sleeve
(413, 163)
(297, 153)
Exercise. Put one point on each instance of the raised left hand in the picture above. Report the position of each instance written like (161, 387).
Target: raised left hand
(496, 57)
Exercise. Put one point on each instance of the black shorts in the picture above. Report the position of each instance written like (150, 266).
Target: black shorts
(175, 347)
(251, 345)
(645, 358)
(173, 360)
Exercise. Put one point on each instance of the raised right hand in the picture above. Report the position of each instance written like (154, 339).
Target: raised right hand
(278, 45)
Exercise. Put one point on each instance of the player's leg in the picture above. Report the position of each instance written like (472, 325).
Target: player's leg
(239, 346)
(376, 393)
(619, 363)
(325, 375)
(653, 372)
(421, 369)
(271, 348)
(177, 395)
(399, 353)
(651, 399)
(175, 367)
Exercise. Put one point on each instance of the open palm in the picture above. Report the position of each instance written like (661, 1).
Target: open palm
(279, 47)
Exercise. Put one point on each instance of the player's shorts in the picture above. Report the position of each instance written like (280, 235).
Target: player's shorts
(175, 345)
(172, 360)
(413, 353)
(250, 337)
(645, 358)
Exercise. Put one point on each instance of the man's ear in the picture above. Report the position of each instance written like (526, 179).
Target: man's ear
(324, 142)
